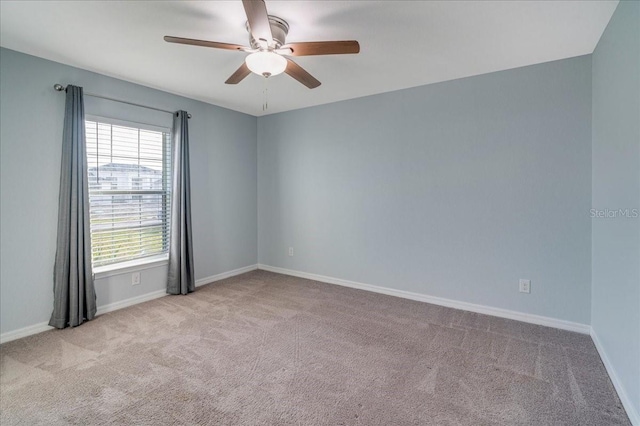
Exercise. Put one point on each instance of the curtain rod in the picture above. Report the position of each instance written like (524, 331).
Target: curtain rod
(60, 88)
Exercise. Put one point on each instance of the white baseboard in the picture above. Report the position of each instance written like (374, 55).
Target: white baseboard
(24, 332)
(44, 326)
(160, 293)
(481, 309)
(130, 302)
(632, 413)
(228, 274)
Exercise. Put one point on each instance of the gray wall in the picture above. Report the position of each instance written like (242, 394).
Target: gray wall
(456, 189)
(616, 185)
(223, 167)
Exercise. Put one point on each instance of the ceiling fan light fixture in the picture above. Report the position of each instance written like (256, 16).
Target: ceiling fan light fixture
(266, 63)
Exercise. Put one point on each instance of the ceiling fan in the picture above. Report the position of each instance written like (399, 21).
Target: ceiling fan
(268, 50)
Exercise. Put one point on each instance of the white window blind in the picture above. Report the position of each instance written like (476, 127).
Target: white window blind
(129, 191)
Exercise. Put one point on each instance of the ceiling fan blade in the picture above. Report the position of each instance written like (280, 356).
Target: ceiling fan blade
(239, 75)
(258, 19)
(205, 43)
(323, 48)
(297, 72)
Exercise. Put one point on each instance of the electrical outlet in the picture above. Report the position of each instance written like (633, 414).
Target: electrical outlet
(290, 251)
(525, 286)
(135, 278)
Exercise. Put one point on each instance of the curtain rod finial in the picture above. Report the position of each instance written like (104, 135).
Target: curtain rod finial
(58, 87)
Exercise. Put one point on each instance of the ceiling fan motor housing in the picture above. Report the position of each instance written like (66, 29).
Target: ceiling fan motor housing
(279, 31)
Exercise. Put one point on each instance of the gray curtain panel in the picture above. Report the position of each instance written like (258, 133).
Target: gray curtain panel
(73, 291)
(181, 272)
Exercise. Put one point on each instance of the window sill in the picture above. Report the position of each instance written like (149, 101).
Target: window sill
(130, 266)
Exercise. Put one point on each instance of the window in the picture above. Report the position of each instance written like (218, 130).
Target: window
(129, 191)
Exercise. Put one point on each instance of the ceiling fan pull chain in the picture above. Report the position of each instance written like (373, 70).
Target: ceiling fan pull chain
(265, 103)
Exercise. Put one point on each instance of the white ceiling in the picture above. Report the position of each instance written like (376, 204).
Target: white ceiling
(403, 43)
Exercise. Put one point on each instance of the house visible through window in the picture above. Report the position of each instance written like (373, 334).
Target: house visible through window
(129, 191)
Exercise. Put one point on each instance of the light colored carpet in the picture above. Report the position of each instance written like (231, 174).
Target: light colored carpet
(268, 349)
